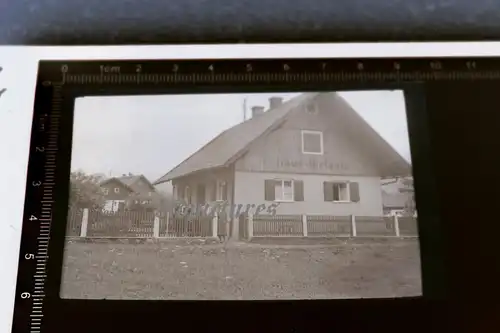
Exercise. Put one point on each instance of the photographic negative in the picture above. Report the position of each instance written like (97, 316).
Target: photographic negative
(241, 197)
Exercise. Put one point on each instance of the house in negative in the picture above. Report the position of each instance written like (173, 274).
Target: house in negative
(128, 192)
(310, 155)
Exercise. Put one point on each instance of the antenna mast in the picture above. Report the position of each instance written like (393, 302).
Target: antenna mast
(244, 109)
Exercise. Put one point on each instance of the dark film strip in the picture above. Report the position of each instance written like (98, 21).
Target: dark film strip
(37, 306)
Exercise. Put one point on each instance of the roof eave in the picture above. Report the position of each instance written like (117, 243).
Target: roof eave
(168, 178)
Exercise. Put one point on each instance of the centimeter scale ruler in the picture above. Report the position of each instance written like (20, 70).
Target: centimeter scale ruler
(55, 76)
(264, 71)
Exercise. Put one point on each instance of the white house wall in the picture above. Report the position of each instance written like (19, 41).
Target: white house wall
(250, 189)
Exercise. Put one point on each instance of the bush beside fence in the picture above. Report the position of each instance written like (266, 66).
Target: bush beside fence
(130, 224)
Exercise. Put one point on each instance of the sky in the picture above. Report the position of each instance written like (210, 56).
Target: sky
(16, 110)
(150, 135)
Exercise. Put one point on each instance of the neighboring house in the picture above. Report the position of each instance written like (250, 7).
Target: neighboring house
(394, 200)
(394, 203)
(127, 191)
(310, 155)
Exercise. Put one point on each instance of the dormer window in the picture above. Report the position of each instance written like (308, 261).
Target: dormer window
(117, 190)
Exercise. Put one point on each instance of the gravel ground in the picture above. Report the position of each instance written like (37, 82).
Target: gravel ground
(194, 270)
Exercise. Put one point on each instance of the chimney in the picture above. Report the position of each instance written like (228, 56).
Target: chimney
(274, 102)
(257, 110)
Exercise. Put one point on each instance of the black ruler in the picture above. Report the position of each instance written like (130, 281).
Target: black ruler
(55, 77)
(267, 71)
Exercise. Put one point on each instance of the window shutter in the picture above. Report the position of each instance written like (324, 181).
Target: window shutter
(354, 191)
(298, 190)
(328, 191)
(269, 190)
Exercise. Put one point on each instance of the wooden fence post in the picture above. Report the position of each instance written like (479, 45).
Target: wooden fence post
(215, 225)
(85, 222)
(167, 223)
(250, 226)
(156, 227)
(396, 225)
(354, 232)
(304, 224)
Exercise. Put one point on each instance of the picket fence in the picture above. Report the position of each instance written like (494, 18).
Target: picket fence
(329, 226)
(131, 224)
(98, 224)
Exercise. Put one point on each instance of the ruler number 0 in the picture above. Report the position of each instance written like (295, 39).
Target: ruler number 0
(25, 295)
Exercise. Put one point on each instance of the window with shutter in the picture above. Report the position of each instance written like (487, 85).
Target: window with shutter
(298, 189)
(354, 192)
(269, 190)
(328, 191)
(284, 190)
(340, 191)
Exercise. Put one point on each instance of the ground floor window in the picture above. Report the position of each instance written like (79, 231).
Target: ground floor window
(341, 191)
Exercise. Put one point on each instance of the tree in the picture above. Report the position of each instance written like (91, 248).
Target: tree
(85, 190)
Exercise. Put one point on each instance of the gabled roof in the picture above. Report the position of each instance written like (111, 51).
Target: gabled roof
(232, 143)
(130, 182)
